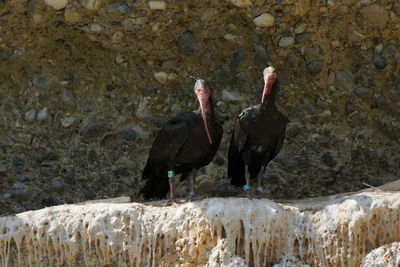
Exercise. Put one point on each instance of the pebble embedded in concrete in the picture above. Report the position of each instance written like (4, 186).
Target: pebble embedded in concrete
(30, 115)
(57, 4)
(264, 20)
(161, 77)
(42, 115)
(157, 5)
(286, 41)
(68, 121)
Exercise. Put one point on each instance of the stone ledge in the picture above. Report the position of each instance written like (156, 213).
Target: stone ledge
(332, 231)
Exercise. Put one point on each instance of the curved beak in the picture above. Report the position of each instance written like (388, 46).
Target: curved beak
(203, 107)
(269, 80)
(203, 93)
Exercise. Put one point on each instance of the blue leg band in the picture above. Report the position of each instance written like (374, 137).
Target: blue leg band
(246, 187)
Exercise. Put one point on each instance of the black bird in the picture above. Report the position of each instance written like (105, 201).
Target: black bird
(186, 143)
(257, 136)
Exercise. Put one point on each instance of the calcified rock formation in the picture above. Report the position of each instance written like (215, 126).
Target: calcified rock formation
(384, 256)
(338, 231)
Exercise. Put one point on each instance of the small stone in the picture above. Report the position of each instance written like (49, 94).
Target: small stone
(57, 4)
(161, 77)
(293, 130)
(68, 121)
(92, 4)
(30, 115)
(128, 134)
(69, 178)
(315, 67)
(46, 171)
(286, 41)
(204, 187)
(133, 133)
(328, 160)
(140, 133)
(264, 20)
(117, 37)
(208, 15)
(128, 23)
(22, 178)
(20, 189)
(379, 48)
(94, 128)
(187, 43)
(376, 15)
(363, 92)
(230, 96)
(157, 5)
(113, 7)
(42, 82)
(232, 36)
(169, 64)
(260, 50)
(355, 36)
(121, 171)
(119, 59)
(300, 28)
(335, 43)
(42, 115)
(7, 197)
(344, 79)
(57, 185)
(71, 15)
(326, 114)
(87, 105)
(379, 61)
(303, 37)
(67, 96)
(95, 28)
(17, 160)
(226, 190)
(236, 60)
(124, 9)
(241, 3)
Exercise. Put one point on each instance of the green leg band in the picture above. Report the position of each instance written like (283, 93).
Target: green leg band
(171, 174)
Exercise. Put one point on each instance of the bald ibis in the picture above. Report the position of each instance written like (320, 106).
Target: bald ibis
(186, 143)
(257, 137)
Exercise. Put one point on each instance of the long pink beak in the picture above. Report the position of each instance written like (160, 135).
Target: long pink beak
(203, 99)
(267, 88)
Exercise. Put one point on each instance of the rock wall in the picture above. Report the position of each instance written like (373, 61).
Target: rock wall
(335, 231)
(85, 85)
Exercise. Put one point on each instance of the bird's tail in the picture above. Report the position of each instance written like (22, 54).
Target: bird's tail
(157, 185)
(235, 165)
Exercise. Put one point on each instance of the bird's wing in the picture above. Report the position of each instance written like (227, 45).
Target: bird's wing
(235, 160)
(169, 141)
(240, 130)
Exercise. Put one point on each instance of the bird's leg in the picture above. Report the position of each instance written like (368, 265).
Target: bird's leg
(260, 174)
(192, 179)
(247, 187)
(171, 181)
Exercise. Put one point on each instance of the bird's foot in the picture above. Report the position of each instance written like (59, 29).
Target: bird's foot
(247, 191)
(258, 193)
(192, 196)
(171, 201)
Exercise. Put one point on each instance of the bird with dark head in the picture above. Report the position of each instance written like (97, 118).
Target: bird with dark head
(257, 136)
(186, 143)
